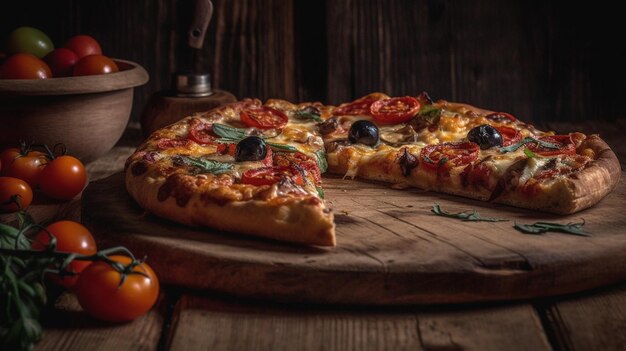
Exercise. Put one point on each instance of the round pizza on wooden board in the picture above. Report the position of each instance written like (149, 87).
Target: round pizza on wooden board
(256, 168)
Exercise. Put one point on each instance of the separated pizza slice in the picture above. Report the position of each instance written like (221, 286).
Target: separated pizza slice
(244, 168)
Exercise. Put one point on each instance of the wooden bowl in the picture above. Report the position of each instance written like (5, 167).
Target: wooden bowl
(88, 114)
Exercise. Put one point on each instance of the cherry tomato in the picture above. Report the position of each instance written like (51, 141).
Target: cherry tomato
(63, 178)
(455, 154)
(100, 294)
(395, 110)
(70, 237)
(271, 175)
(501, 117)
(29, 40)
(201, 132)
(83, 45)
(564, 143)
(61, 62)
(26, 167)
(228, 148)
(357, 107)
(263, 117)
(510, 136)
(24, 66)
(93, 65)
(15, 194)
(285, 159)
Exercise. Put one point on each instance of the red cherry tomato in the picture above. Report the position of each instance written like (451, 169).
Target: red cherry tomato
(63, 178)
(510, 136)
(395, 110)
(61, 62)
(263, 117)
(354, 108)
(167, 143)
(201, 132)
(228, 148)
(271, 175)
(24, 66)
(93, 65)
(455, 154)
(564, 146)
(70, 237)
(26, 167)
(15, 194)
(100, 294)
(83, 45)
(501, 117)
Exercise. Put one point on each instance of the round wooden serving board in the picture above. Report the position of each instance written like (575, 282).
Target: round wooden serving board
(390, 249)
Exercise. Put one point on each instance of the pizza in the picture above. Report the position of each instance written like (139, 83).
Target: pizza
(256, 168)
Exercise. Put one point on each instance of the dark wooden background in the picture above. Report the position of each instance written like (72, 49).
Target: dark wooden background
(540, 60)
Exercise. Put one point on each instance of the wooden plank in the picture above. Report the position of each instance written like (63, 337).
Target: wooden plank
(591, 321)
(224, 324)
(67, 327)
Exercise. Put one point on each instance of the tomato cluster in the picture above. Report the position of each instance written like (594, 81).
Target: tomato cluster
(24, 169)
(33, 56)
(99, 286)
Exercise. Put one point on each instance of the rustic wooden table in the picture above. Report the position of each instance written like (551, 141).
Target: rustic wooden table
(183, 320)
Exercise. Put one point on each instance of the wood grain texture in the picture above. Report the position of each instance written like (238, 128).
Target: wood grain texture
(391, 250)
(218, 324)
(67, 327)
(590, 321)
(536, 59)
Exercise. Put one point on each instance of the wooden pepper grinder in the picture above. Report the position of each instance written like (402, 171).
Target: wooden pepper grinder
(191, 92)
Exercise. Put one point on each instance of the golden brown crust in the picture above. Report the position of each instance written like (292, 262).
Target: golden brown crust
(290, 220)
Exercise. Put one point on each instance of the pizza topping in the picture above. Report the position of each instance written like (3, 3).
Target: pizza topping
(553, 145)
(477, 175)
(202, 165)
(543, 144)
(398, 134)
(251, 148)
(407, 161)
(360, 107)
(230, 134)
(167, 143)
(501, 117)
(443, 156)
(428, 117)
(363, 132)
(329, 126)
(138, 168)
(395, 110)
(263, 117)
(485, 136)
(510, 136)
(271, 175)
(424, 98)
(201, 132)
(309, 113)
(302, 161)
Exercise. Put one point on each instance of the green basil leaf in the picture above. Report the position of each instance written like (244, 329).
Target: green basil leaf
(320, 156)
(305, 115)
(543, 227)
(320, 192)
(282, 147)
(527, 140)
(529, 153)
(465, 216)
(207, 166)
(229, 133)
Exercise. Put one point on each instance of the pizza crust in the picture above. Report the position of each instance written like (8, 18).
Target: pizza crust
(293, 221)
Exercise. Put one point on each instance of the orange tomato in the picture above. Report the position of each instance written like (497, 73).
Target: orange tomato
(70, 237)
(26, 167)
(63, 178)
(15, 194)
(24, 66)
(94, 64)
(100, 294)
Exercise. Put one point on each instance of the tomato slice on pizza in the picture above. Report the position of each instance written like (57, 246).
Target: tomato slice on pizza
(435, 157)
(271, 175)
(510, 136)
(263, 117)
(201, 132)
(395, 110)
(360, 107)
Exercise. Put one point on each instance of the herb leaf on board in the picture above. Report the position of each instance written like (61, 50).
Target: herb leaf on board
(465, 216)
